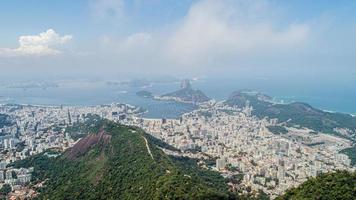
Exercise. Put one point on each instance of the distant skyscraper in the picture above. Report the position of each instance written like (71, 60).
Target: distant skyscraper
(220, 163)
(164, 120)
(67, 135)
(280, 172)
(69, 118)
(6, 143)
(11, 143)
(2, 165)
(2, 177)
(8, 174)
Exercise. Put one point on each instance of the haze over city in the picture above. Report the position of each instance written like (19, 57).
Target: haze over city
(178, 99)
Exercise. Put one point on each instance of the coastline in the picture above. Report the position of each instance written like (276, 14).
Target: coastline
(281, 100)
(21, 100)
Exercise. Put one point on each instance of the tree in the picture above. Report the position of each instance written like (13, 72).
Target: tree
(5, 190)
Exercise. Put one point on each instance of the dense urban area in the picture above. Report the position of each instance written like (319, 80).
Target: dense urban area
(251, 153)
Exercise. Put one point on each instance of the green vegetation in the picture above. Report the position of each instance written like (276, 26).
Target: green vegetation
(315, 144)
(5, 120)
(159, 143)
(4, 191)
(114, 163)
(337, 185)
(117, 165)
(189, 166)
(295, 114)
(91, 125)
(351, 152)
(277, 130)
(40, 162)
(236, 178)
(20, 146)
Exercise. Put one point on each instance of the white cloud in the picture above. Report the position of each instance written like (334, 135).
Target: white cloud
(134, 42)
(37, 45)
(213, 33)
(138, 39)
(220, 28)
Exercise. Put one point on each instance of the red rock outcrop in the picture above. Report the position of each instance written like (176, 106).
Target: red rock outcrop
(83, 145)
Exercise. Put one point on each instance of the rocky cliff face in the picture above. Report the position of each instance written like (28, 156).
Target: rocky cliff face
(83, 145)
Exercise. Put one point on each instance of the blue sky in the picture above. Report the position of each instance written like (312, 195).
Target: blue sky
(77, 17)
(189, 38)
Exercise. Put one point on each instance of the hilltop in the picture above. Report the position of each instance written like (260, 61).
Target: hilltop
(120, 162)
(337, 185)
(296, 114)
(187, 94)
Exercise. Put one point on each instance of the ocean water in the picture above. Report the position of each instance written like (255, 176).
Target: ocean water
(333, 97)
(87, 93)
(328, 96)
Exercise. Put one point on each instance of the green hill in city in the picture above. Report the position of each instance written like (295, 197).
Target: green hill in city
(338, 185)
(295, 114)
(120, 162)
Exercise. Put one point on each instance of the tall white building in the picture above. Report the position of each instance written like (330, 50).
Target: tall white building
(220, 163)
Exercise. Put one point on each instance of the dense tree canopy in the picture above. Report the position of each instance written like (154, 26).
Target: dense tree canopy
(338, 185)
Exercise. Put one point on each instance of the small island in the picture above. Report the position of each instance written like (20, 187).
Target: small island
(186, 94)
(144, 94)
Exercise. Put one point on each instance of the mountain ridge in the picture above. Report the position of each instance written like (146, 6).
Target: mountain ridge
(296, 114)
(117, 163)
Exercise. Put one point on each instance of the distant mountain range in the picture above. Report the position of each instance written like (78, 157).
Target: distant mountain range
(296, 114)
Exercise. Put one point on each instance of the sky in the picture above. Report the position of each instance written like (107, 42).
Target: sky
(294, 40)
